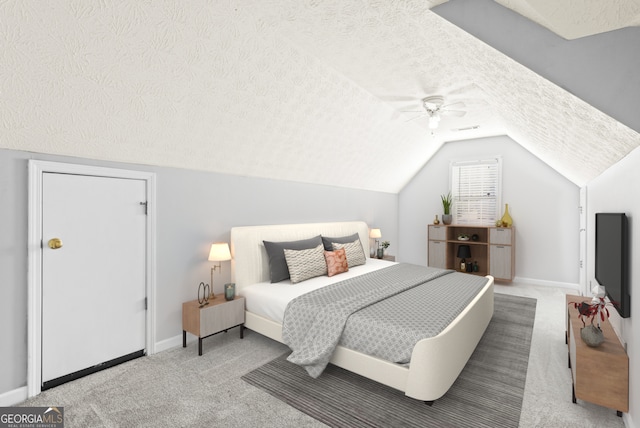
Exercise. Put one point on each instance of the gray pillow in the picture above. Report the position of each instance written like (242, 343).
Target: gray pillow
(342, 240)
(278, 270)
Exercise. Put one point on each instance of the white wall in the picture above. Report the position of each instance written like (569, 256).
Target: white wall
(194, 209)
(613, 191)
(543, 204)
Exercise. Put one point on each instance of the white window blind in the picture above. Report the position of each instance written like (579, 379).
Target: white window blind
(476, 191)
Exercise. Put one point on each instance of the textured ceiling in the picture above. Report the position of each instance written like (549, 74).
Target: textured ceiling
(572, 19)
(308, 91)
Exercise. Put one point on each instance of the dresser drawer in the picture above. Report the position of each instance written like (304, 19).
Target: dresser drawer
(500, 236)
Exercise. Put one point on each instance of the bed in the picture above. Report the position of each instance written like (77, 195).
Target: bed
(435, 362)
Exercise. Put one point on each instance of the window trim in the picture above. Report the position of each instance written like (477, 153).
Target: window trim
(498, 197)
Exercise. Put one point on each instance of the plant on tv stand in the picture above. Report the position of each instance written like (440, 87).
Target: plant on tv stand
(596, 310)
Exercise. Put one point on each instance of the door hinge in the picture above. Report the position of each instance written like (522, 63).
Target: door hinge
(145, 303)
(145, 206)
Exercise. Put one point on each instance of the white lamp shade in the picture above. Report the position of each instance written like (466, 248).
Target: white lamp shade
(375, 233)
(219, 252)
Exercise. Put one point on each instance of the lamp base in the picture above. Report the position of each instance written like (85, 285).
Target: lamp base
(211, 294)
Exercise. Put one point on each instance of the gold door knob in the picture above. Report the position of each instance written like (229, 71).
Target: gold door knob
(55, 243)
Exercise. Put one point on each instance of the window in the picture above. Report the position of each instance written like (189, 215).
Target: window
(476, 191)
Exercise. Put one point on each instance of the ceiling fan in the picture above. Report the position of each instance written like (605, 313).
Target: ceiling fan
(435, 108)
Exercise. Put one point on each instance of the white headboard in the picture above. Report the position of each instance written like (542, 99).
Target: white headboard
(250, 263)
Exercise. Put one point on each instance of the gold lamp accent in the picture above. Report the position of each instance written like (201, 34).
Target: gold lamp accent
(219, 253)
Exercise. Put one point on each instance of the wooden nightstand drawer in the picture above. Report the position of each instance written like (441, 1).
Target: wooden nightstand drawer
(222, 316)
(218, 316)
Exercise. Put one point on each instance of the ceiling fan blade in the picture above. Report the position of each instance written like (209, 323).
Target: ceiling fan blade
(399, 98)
(457, 104)
(457, 113)
(416, 117)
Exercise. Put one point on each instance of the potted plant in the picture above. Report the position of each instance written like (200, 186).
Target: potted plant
(446, 206)
(596, 311)
(384, 245)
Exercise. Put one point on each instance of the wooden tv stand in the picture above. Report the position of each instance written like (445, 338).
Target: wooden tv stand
(600, 375)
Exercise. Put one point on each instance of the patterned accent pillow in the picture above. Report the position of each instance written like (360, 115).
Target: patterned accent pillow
(305, 264)
(355, 253)
(336, 261)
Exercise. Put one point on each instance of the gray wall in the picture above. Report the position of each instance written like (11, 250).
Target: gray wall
(611, 192)
(601, 69)
(194, 209)
(543, 204)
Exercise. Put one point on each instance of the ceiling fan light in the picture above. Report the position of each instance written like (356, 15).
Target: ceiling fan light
(434, 121)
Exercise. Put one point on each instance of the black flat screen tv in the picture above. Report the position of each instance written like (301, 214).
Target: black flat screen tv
(612, 259)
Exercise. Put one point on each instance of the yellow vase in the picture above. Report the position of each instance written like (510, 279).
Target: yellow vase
(506, 219)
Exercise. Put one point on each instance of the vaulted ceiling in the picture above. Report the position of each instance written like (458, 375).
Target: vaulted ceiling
(309, 91)
(573, 19)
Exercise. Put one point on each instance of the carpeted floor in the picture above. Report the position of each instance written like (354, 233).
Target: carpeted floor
(177, 388)
(488, 393)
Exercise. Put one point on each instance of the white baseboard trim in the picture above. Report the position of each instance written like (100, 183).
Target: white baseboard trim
(172, 342)
(545, 283)
(13, 397)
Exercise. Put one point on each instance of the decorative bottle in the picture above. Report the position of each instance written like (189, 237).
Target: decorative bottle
(506, 220)
(436, 221)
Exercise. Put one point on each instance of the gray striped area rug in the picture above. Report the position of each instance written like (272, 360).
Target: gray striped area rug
(488, 392)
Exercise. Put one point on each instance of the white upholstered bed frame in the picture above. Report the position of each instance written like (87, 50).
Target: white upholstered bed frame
(435, 362)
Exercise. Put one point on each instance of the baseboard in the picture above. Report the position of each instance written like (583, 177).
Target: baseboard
(545, 283)
(13, 397)
(172, 342)
(628, 422)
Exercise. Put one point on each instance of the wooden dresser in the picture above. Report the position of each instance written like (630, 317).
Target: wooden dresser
(493, 249)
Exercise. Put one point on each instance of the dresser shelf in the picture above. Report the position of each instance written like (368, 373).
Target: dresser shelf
(494, 249)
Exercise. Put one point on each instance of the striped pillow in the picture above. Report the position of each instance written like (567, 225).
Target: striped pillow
(355, 253)
(305, 264)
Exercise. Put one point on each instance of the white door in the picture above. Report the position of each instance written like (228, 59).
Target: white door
(93, 286)
(584, 287)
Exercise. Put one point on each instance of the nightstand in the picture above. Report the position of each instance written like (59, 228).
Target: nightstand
(218, 316)
(387, 257)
